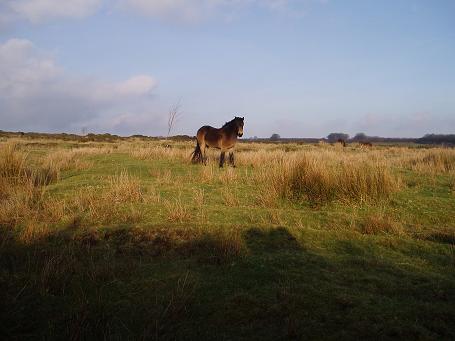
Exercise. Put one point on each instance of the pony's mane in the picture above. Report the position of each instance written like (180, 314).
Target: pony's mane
(228, 124)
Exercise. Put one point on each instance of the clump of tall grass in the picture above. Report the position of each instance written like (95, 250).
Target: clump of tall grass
(142, 152)
(228, 176)
(12, 163)
(320, 181)
(124, 188)
(219, 246)
(437, 160)
(63, 160)
(229, 196)
(177, 211)
(21, 188)
(110, 204)
(207, 173)
(380, 223)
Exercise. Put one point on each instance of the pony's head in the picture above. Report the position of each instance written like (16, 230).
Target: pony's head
(239, 121)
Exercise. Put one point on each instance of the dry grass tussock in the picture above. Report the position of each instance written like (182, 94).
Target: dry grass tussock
(318, 179)
(25, 203)
(229, 196)
(158, 152)
(22, 195)
(112, 204)
(63, 160)
(380, 223)
(124, 188)
(218, 246)
(177, 211)
(228, 175)
(199, 196)
(437, 160)
(12, 163)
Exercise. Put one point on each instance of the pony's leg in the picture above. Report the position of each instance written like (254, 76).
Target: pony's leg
(203, 157)
(222, 159)
(231, 159)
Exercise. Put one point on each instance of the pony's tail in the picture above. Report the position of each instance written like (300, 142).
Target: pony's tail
(196, 155)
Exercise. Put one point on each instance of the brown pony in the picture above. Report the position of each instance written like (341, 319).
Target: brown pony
(342, 142)
(223, 138)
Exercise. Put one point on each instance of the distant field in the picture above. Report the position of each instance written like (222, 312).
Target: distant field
(128, 239)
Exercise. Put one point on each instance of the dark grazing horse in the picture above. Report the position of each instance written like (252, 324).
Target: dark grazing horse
(223, 138)
(342, 142)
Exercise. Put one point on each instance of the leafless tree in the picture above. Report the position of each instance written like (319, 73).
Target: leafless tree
(174, 115)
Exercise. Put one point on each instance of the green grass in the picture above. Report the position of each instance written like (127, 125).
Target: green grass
(232, 272)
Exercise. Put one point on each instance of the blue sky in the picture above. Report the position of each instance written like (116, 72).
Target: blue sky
(297, 68)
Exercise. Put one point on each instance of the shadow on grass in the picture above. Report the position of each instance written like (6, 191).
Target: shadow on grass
(169, 283)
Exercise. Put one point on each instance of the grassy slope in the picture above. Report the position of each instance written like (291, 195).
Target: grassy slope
(303, 274)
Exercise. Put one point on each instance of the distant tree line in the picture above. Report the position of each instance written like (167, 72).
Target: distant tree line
(105, 137)
(334, 137)
(444, 139)
(437, 139)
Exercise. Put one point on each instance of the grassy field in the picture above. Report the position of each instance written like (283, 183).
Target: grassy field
(129, 240)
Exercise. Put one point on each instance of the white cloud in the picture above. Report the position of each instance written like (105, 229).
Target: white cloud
(194, 10)
(409, 124)
(187, 10)
(37, 11)
(37, 94)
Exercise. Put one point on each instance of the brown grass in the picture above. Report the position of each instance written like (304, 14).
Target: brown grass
(63, 160)
(229, 196)
(124, 188)
(12, 163)
(219, 246)
(98, 205)
(273, 217)
(198, 196)
(437, 160)
(321, 180)
(177, 211)
(379, 223)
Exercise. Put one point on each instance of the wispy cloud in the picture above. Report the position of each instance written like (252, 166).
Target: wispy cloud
(37, 11)
(196, 10)
(412, 124)
(37, 94)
